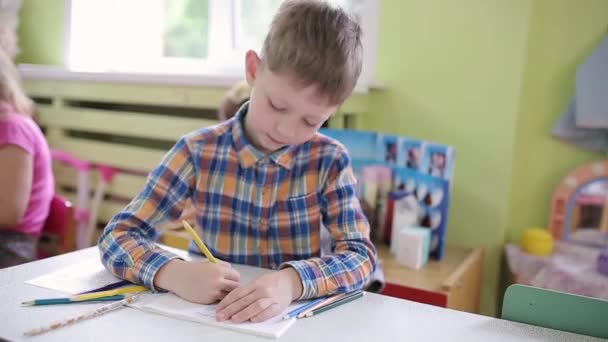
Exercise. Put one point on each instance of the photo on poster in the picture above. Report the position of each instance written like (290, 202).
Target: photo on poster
(412, 154)
(388, 149)
(438, 161)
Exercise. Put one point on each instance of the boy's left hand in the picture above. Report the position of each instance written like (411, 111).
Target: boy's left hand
(261, 299)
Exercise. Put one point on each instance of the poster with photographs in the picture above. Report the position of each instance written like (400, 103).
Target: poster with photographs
(400, 173)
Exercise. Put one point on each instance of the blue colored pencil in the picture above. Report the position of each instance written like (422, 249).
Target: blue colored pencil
(53, 301)
(293, 313)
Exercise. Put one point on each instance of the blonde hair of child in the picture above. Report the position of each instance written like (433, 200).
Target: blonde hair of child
(11, 90)
(316, 44)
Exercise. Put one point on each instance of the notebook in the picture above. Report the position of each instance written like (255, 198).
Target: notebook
(170, 305)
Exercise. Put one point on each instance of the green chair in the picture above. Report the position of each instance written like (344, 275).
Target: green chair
(556, 310)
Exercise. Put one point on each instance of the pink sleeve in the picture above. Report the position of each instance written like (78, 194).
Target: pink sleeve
(13, 133)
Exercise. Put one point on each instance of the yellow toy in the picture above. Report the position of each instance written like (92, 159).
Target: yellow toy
(537, 241)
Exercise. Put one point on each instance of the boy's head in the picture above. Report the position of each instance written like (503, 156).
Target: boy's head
(309, 64)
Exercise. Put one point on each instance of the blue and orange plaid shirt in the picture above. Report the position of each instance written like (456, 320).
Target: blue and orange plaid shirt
(255, 209)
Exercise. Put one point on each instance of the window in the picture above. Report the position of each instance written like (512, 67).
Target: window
(187, 37)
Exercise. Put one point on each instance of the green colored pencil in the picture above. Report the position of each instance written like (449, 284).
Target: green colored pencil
(336, 303)
(70, 300)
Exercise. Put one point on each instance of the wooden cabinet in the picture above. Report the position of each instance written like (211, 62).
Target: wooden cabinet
(454, 282)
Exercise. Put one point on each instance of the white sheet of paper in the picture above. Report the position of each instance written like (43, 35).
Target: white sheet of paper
(170, 305)
(83, 276)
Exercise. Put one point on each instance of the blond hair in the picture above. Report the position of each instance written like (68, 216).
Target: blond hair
(10, 86)
(9, 20)
(317, 44)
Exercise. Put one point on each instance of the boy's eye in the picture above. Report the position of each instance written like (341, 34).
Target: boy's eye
(275, 107)
(310, 124)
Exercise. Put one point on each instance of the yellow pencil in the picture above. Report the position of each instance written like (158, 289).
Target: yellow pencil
(122, 290)
(199, 243)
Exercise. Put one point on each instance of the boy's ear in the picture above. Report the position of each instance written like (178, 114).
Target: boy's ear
(252, 66)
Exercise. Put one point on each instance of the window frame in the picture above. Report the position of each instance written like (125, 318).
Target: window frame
(367, 80)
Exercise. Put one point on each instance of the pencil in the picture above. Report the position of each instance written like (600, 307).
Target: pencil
(122, 290)
(111, 286)
(335, 304)
(89, 296)
(68, 300)
(199, 242)
(90, 314)
(297, 311)
(325, 301)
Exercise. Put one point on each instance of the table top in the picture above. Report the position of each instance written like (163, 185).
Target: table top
(372, 318)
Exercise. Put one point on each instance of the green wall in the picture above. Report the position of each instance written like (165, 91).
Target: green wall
(453, 71)
(41, 31)
(562, 34)
(486, 76)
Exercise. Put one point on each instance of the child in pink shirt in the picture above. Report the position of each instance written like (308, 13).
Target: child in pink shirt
(26, 177)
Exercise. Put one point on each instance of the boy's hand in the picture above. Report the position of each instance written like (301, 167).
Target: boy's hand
(261, 299)
(197, 281)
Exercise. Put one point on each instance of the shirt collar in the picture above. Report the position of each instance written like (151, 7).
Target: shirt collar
(248, 154)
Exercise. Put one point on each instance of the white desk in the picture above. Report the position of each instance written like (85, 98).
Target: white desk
(371, 318)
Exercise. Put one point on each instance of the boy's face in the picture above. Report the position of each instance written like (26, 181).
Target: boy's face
(280, 112)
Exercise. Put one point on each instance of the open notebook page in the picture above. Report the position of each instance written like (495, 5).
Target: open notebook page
(170, 305)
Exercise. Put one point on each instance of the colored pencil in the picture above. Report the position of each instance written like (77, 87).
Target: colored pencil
(293, 313)
(199, 242)
(111, 286)
(327, 301)
(90, 314)
(91, 296)
(335, 304)
(53, 301)
(122, 290)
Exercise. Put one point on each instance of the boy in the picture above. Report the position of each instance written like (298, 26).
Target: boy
(261, 182)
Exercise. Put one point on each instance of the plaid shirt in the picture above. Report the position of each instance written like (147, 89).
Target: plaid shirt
(256, 209)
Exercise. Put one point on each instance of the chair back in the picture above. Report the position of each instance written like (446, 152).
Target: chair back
(556, 310)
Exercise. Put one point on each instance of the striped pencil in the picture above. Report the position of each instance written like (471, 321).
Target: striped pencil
(345, 300)
(293, 313)
(90, 314)
(327, 301)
